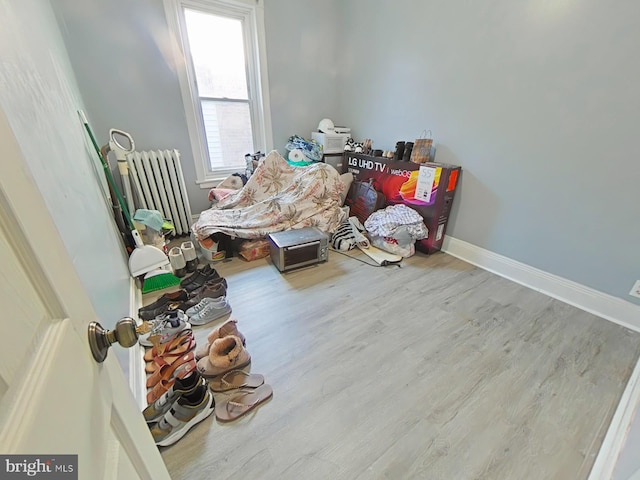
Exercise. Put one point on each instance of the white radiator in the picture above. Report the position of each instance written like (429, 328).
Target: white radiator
(158, 183)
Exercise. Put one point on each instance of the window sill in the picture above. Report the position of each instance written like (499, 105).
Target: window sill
(217, 177)
(207, 183)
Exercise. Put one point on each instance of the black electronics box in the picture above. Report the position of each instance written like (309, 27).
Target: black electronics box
(428, 188)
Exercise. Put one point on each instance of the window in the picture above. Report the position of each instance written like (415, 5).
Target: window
(223, 81)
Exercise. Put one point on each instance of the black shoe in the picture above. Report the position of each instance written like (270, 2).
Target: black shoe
(196, 293)
(198, 275)
(152, 310)
(200, 282)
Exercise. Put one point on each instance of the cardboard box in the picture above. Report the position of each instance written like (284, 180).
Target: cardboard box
(428, 188)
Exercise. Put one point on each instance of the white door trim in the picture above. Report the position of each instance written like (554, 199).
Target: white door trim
(137, 375)
(34, 241)
(25, 392)
(616, 436)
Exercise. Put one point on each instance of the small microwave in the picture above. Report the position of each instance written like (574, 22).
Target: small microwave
(298, 248)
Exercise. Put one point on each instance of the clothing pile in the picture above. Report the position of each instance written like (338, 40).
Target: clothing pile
(178, 396)
(310, 150)
(394, 229)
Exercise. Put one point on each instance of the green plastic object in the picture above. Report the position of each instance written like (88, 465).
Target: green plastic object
(158, 280)
(107, 170)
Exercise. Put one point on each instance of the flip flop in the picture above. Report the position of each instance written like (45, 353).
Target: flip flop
(242, 403)
(236, 379)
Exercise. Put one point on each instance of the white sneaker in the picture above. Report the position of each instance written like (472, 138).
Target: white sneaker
(210, 312)
(190, 256)
(198, 307)
(178, 263)
(165, 326)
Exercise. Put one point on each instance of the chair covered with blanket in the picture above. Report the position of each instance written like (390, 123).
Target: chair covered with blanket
(277, 197)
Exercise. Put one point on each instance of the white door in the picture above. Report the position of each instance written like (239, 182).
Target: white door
(54, 397)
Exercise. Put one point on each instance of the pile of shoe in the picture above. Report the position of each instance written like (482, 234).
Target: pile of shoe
(221, 360)
(178, 404)
(170, 341)
(202, 297)
(178, 396)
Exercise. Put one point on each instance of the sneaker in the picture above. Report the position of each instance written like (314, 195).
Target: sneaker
(190, 256)
(182, 386)
(211, 290)
(188, 410)
(203, 303)
(201, 280)
(212, 282)
(165, 326)
(151, 311)
(210, 312)
(204, 272)
(178, 263)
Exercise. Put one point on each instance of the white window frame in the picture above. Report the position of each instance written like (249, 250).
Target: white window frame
(251, 13)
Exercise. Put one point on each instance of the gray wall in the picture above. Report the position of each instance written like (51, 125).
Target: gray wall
(119, 52)
(538, 101)
(303, 59)
(40, 98)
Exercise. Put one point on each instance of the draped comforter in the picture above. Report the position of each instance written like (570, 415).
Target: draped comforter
(277, 197)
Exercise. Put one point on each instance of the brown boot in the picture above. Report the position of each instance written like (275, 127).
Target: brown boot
(224, 330)
(225, 354)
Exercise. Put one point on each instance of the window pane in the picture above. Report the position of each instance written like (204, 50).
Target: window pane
(217, 50)
(228, 129)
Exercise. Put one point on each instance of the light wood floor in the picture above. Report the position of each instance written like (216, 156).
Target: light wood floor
(438, 370)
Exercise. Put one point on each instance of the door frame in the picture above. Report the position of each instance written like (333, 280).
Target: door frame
(34, 239)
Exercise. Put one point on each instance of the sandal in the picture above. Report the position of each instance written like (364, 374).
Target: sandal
(168, 372)
(242, 403)
(236, 379)
(187, 344)
(165, 384)
(162, 348)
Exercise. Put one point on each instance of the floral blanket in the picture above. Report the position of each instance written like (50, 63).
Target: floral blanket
(277, 197)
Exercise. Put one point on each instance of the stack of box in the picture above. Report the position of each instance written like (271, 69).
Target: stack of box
(332, 147)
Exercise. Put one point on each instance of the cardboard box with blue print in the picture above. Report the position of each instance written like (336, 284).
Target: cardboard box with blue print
(428, 188)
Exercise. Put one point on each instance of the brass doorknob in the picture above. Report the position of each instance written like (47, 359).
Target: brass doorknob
(126, 334)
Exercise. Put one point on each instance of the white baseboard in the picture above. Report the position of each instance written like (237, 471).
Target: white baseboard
(593, 301)
(137, 376)
(588, 299)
